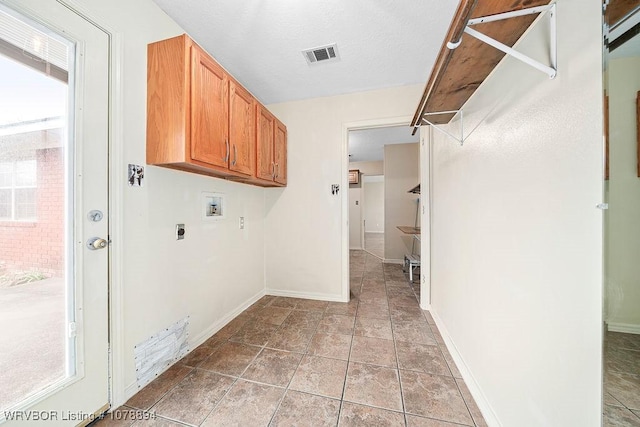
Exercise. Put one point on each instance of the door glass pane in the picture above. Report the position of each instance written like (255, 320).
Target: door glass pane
(35, 296)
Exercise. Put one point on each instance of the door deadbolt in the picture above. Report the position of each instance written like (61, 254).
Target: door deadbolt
(95, 243)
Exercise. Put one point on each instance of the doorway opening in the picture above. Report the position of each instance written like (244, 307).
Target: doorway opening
(384, 165)
(621, 311)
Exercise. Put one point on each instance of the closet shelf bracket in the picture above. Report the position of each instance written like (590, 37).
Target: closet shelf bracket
(551, 70)
(426, 121)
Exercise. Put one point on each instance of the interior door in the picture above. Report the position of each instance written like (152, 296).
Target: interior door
(54, 118)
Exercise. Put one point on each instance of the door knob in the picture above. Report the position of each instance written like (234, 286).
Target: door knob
(95, 243)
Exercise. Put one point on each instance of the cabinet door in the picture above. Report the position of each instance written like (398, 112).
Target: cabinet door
(265, 167)
(281, 153)
(241, 129)
(209, 110)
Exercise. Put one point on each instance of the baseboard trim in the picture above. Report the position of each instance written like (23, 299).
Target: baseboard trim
(627, 328)
(132, 388)
(305, 295)
(374, 232)
(393, 261)
(474, 388)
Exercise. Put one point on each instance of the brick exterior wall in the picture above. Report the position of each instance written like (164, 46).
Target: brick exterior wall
(39, 246)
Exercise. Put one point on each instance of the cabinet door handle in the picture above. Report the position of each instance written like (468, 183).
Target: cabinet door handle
(226, 157)
(235, 155)
(277, 170)
(273, 170)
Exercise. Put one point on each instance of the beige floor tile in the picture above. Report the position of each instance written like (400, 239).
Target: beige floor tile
(272, 315)
(335, 346)
(157, 421)
(149, 395)
(303, 319)
(434, 396)
(413, 331)
(343, 308)
(421, 357)
(374, 386)
(615, 416)
(119, 417)
(610, 400)
(246, 404)
(254, 333)
(232, 327)
(478, 419)
(353, 415)
(291, 338)
(375, 351)
(622, 360)
(302, 409)
(312, 305)
(415, 421)
(321, 376)
(230, 358)
(624, 387)
(194, 397)
(337, 324)
(284, 302)
(273, 367)
(378, 311)
(197, 355)
(374, 328)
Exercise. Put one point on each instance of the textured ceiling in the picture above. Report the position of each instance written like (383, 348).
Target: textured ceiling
(382, 43)
(368, 145)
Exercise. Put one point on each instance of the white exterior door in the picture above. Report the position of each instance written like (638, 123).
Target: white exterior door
(53, 201)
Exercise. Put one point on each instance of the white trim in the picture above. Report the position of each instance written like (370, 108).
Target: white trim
(474, 388)
(374, 232)
(305, 295)
(425, 218)
(117, 173)
(132, 388)
(116, 229)
(393, 261)
(627, 328)
(344, 183)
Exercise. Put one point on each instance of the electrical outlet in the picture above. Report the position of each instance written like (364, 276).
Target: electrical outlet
(241, 223)
(180, 231)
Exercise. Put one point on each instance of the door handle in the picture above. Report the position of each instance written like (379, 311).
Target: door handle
(235, 155)
(226, 157)
(277, 170)
(96, 243)
(273, 170)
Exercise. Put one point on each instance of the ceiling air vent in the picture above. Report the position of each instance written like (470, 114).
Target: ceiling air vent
(321, 54)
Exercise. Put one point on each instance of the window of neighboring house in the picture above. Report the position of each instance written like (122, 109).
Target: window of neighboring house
(18, 190)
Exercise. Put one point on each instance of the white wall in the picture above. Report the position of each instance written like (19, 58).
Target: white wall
(303, 229)
(623, 231)
(218, 268)
(373, 188)
(368, 168)
(516, 238)
(355, 217)
(401, 174)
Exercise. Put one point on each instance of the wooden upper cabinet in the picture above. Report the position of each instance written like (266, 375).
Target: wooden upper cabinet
(241, 130)
(271, 149)
(201, 120)
(265, 163)
(209, 110)
(280, 150)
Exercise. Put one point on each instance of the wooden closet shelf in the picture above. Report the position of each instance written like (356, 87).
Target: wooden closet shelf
(458, 72)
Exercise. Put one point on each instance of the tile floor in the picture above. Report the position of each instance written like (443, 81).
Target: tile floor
(374, 244)
(375, 361)
(621, 380)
